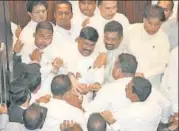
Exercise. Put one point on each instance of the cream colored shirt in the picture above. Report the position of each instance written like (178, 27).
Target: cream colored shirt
(151, 51)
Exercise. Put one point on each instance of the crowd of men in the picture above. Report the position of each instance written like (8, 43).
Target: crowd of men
(92, 70)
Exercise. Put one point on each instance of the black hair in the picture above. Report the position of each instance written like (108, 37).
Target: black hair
(154, 11)
(127, 63)
(100, 2)
(64, 2)
(32, 3)
(89, 33)
(34, 117)
(141, 87)
(96, 123)
(60, 85)
(44, 25)
(114, 26)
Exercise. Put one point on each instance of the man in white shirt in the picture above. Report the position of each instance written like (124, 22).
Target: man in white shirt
(37, 10)
(169, 85)
(113, 41)
(41, 50)
(85, 9)
(139, 115)
(112, 95)
(65, 31)
(108, 12)
(149, 44)
(65, 105)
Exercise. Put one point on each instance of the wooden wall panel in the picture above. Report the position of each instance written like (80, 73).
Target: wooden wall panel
(132, 9)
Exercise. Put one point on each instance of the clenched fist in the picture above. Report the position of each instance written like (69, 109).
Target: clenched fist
(36, 55)
(18, 46)
(57, 63)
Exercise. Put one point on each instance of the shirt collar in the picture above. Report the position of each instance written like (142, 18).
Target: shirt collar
(62, 30)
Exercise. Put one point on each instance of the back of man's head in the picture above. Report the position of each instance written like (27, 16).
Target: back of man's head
(154, 11)
(114, 26)
(89, 33)
(34, 117)
(60, 85)
(127, 63)
(96, 123)
(141, 87)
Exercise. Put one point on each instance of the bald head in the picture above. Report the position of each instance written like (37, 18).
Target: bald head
(96, 123)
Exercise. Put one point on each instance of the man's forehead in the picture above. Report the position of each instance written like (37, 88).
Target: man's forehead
(111, 34)
(44, 31)
(87, 41)
(39, 7)
(153, 20)
(88, 1)
(164, 4)
(62, 6)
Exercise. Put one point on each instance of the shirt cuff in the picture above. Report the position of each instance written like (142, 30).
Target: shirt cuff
(4, 119)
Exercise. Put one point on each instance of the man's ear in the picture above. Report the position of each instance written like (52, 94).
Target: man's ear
(77, 39)
(30, 14)
(171, 13)
(121, 38)
(54, 14)
(135, 97)
(144, 19)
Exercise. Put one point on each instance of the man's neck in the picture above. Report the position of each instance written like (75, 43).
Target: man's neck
(66, 28)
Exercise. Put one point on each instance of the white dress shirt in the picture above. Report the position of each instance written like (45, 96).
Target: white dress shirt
(158, 98)
(137, 116)
(78, 16)
(98, 22)
(151, 51)
(111, 97)
(169, 85)
(58, 111)
(67, 35)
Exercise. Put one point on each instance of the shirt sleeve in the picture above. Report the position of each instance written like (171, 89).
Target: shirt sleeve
(4, 119)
